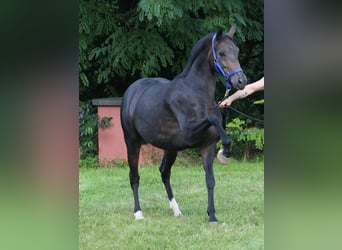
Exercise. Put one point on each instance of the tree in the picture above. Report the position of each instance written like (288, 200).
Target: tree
(121, 41)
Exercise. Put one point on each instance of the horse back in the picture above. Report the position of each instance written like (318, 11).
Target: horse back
(134, 93)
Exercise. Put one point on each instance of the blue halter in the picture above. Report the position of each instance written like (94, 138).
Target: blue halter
(220, 69)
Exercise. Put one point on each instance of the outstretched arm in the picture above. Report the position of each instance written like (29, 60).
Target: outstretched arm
(248, 90)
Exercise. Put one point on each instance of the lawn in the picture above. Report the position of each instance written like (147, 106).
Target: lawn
(106, 209)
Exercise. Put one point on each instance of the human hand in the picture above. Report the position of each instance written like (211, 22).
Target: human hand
(227, 102)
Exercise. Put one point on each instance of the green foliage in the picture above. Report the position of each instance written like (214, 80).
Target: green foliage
(89, 123)
(247, 142)
(88, 129)
(162, 11)
(121, 41)
(94, 162)
(188, 157)
(89, 162)
(255, 135)
(105, 122)
(259, 101)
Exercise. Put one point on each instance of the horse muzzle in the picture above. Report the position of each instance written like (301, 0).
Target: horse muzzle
(239, 80)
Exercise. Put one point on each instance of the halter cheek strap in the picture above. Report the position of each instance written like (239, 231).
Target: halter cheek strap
(220, 69)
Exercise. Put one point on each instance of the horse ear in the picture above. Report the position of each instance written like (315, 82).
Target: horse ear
(232, 30)
(219, 35)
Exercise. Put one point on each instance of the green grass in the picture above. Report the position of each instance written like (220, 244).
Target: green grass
(106, 209)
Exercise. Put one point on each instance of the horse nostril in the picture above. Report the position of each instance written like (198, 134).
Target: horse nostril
(240, 80)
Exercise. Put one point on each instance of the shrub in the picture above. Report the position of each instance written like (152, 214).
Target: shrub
(88, 129)
(247, 142)
(89, 122)
(89, 162)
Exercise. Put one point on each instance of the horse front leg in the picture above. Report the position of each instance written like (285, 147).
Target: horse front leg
(223, 155)
(197, 127)
(208, 155)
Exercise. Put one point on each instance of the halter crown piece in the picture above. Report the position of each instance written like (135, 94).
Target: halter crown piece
(220, 69)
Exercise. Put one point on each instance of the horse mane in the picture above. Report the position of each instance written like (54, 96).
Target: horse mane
(196, 50)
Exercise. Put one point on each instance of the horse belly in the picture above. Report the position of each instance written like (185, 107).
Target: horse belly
(161, 132)
(165, 133)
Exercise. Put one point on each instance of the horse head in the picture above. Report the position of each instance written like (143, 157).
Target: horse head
(225, 55)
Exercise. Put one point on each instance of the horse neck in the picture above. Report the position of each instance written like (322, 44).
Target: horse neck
(202, 76)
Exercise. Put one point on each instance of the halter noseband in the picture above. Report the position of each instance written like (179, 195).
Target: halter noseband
(220, 69)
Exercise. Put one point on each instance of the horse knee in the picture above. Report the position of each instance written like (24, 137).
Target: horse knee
(213, 120)
(211, 185)
(165, 168)
(210, 182)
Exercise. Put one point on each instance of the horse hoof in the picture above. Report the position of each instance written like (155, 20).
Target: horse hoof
(175, 208)
(213, 223)
(138, 215)
(222, 158)
(179, 215)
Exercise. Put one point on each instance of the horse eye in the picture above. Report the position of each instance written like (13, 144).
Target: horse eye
(221, 53)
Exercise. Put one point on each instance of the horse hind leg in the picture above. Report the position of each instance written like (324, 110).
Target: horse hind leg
(133, 160)
(165, 171)
(208, 155)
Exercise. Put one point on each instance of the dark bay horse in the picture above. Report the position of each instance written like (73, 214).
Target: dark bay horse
(182, 113)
